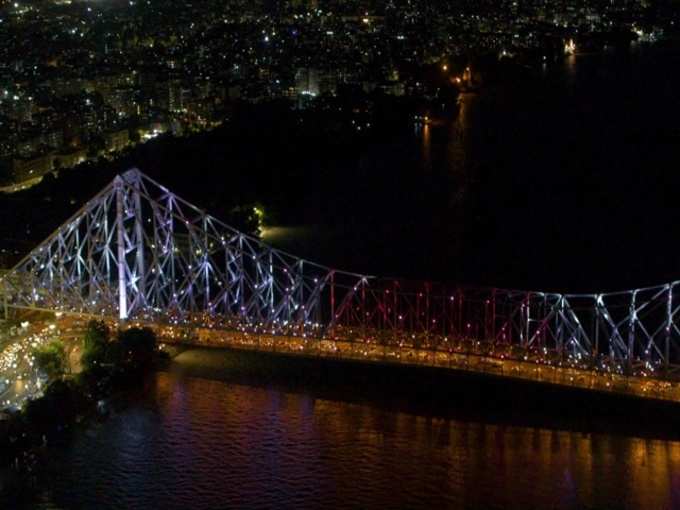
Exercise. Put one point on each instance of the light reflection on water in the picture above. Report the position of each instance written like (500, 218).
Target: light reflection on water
(200, 443)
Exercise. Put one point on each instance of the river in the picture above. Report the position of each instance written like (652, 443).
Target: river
(201, 440)
(562, 177)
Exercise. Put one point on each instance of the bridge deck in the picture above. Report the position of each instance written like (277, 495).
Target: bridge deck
(566, 376)
(643, 387)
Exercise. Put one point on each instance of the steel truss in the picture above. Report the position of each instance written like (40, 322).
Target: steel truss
(138, 251)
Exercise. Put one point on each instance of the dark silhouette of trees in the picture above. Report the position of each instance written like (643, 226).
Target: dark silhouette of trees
(51, 359)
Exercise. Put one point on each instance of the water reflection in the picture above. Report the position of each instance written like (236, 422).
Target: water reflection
(210, 444)
(425, 135)
(460, 155)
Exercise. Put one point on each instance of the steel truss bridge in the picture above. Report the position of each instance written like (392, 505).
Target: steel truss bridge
(138, 252)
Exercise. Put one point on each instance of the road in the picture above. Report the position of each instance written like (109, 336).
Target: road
(13, 188)
(19, 378)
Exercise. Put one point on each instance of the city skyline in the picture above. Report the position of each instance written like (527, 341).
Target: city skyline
(97, 77)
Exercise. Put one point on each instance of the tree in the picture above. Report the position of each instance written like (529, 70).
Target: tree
(96, 346)
(96, 334)
(51, 359)
(6, 173)
(58, 406)
(246, 219)
(96, 146)
(137, 347)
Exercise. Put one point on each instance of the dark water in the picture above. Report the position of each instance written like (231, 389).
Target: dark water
(199, 443)
(564, 177)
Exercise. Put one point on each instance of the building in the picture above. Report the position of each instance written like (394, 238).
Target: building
(307, 82)
(24, 169)
(71, 158)
(117, 140)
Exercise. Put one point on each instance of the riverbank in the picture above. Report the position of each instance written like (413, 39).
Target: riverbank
(433, 391)
(109, 365)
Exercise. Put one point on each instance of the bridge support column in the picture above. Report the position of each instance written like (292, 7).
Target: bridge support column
(139, 247)
(669, 325)
(120, 242)
(632, 318)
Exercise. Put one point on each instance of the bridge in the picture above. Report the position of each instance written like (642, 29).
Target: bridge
(137, 253)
